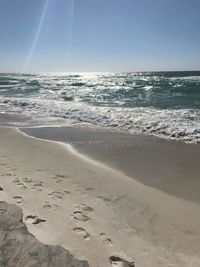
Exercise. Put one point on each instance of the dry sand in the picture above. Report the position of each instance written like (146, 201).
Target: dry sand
(19, 248)
(92, 210)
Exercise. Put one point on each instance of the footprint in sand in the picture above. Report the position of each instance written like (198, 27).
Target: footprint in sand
(20, 183)
(104, 198)
(23, 187)
(66, 176)
(37, 189)
(80, 216)
(60, 176)
(18, 199)
(82, 232)
(34, 219)
(47, 205)
(56, 195)
(119, 262)
(16, 180)
(27, 180)
(105, 239)
(57, 179)
(8, 174)
(38, 184)
(84, 208)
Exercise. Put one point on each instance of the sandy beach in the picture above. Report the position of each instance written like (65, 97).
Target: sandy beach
(99, 133)
(100, 210)
(167, 165)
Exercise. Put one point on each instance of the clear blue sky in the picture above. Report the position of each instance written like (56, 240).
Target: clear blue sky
(99, 35)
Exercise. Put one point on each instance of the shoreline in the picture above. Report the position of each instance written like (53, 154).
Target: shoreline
(95, 211)
(155, 162)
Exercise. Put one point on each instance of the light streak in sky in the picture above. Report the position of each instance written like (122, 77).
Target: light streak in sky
(37, 34)
(70, 29)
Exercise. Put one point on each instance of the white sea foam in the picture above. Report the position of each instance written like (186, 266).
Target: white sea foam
(139, 103)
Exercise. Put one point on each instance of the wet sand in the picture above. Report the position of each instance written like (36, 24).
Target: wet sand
(170, 166)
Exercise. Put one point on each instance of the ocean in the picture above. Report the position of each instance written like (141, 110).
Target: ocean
(164, 104)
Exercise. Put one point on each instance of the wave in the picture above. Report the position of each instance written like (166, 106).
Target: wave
(161, 104)
(182, 124)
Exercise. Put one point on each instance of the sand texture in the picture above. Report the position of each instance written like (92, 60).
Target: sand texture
(167, 165)
(19, 248)
(97, 213)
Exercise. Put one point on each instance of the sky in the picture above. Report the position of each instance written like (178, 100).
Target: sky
(99, 35)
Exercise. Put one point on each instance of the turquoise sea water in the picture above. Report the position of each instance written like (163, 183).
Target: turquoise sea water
(165, 104)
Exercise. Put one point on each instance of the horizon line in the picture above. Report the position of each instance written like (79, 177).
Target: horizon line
(63, 72)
